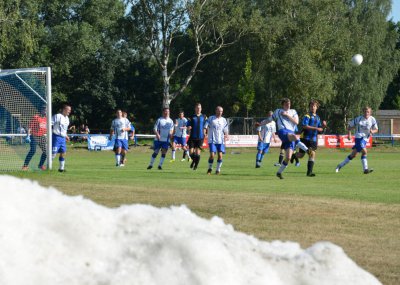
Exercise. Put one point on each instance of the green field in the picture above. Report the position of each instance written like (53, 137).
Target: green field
(358, 212)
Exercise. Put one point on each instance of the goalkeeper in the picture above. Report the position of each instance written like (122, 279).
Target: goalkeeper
(37, 136)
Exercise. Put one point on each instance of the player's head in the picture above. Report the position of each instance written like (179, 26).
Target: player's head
(367, 111)
(270, 113)
(285, 103)
(181, 114)
(118, 113)
(124, 114)
(313, 106)
(197, 108)
(218, 111)
(66, 109)
(165, 112)
(43, 110)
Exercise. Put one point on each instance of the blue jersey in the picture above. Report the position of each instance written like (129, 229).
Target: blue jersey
(197, 125)
(312, 121)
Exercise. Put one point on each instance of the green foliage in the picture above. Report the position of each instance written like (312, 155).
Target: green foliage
(246, 92)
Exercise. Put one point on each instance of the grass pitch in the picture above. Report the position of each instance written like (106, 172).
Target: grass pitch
(358, 212)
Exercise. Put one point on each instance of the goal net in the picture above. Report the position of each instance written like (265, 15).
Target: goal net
(25, 105)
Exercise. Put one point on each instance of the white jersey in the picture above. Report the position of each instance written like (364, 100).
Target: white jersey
(164, 126)
(60, 125)
(217, 128)
(283, 122)
(118, 125)
(180, 127)
(363, 126)
(266, 129)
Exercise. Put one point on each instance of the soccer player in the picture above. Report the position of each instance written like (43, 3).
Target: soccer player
(37, 130)
(180, 136)
(365, 126)
(266, 131)
(312, 125)
(163, 129)
(217, 135)
(60, 123)
(120, 127)
(197, 131)
(287, 120)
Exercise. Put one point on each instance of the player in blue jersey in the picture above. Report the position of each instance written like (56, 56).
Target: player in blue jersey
(120, 127)
(265, 131)
(180, 136)
(60, 123)
(312, 125)
(217, 127)
(195, 126)
(365, 126)
(163, 129)
(287, 120)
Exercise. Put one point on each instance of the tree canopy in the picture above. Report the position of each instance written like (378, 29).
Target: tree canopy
(140, 55)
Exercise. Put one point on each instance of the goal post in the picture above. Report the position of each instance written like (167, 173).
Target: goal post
(25, 119)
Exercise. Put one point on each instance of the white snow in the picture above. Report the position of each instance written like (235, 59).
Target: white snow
(47, 237)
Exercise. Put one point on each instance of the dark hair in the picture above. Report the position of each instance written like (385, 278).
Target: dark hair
(285, 100)
(313, 102)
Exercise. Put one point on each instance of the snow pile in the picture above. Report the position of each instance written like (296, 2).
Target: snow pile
(50, 238)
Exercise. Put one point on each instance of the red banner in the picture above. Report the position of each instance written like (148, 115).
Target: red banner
(334, 141)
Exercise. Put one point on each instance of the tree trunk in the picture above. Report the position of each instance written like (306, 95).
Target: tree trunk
(166, 96)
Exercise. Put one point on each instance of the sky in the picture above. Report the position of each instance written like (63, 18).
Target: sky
(395, 14)
(49, 238)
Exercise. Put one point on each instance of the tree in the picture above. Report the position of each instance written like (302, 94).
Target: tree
(209, 25)
(246, 92)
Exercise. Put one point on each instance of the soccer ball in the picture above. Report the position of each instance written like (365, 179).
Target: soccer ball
(357, 59)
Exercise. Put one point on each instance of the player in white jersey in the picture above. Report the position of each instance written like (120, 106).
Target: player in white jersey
(364, 126)
(120, 127)
(287, 121)
(163, 129)
(60, 123)
(217, 135)
(266, 130)
(180, 136)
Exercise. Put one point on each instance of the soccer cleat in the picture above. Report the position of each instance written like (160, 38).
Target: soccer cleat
(172, 160)
(117, 165)
(25, 168)
(311, 174)
(279, 175)
(217, 172)
(367, 171)
(183, 159)
(277, 164)
(159, 167)
(209, 171)
(258, 166)
(62, 170)
(42, 167)
(337, 169)
(122, 165)
(297, 164)
(195, 167)
(149, 167)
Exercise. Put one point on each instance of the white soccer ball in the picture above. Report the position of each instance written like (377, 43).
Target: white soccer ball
(357, 59)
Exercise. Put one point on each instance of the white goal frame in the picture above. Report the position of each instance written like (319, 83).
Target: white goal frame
(45, 98)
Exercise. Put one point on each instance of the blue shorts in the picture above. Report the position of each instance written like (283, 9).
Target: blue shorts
(59, 144)
(217, 147)
(121, 144)
(264, 147)
(157, 145)
(180, 140)
(283, 135)
(360, 144)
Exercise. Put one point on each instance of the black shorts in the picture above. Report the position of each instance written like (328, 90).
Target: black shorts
(195, 143)
(312, 145)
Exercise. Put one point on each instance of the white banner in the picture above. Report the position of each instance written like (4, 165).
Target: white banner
(100, 142)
